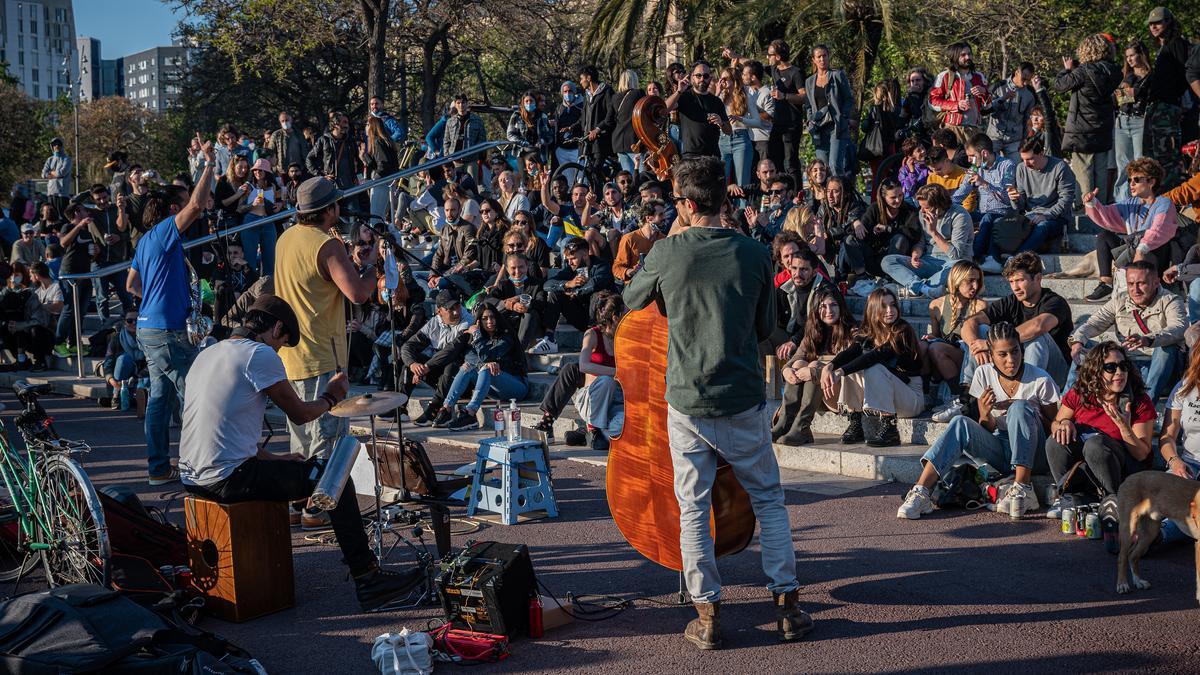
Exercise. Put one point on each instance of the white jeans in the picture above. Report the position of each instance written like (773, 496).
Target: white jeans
(879, 390)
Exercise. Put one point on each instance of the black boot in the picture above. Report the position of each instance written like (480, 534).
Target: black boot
(788, 409)
(799, 432)
(379, 587)
(853, 433)
(883, 432)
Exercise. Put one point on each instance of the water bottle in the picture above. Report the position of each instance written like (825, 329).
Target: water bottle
(513, 427)
(498, 421)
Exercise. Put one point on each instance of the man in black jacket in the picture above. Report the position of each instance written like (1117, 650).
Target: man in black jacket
(518, 297)
(599, 115)
(567, 123)
(334, 155)
(569, 290)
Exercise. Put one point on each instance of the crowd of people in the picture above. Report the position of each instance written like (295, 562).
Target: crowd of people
(906, 204)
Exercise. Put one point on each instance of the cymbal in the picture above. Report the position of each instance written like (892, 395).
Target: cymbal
(370, 404)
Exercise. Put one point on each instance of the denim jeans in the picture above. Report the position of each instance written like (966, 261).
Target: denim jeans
(625, 159)
(380, 198)
(123, 371)
(737, 151)
(743, 440)
(1021, 444)
(567, 156)
(1160, 372)
(1041, 351)
(1127, 144)
(983, 239)
(169, 355)
(1193, 300)
(932, 272)
(1047, 230)
(834, 151)
(65, 331)
(505, 386)
(263, 236)
(114, 284)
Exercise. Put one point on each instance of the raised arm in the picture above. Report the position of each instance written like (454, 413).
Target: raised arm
(200, 193)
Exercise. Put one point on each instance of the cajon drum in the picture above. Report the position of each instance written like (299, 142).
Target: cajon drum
(241, 557)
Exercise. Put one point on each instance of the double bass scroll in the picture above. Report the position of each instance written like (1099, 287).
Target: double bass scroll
(651, 123)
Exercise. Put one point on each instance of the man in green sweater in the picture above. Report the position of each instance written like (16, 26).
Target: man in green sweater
(716, 287)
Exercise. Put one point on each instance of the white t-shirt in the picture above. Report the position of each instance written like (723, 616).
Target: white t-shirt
(1189, 421)
(1035, 386)
(223, 408)
(49, 295)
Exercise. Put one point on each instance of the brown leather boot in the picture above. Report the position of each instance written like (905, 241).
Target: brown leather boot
(791, 621)
(705, 631)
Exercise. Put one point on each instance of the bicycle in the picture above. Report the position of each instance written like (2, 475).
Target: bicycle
(583, 173)
(49, 510)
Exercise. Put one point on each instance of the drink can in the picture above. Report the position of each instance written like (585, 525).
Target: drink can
(183, 576)
(168, 573)
(1093, 526)
(1068, 521)
(1081, 515)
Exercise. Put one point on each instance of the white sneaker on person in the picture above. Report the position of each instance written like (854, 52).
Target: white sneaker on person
(544, 346)
(916, 292)
(1066, 501)
(948, 412)
(992, 266)
(861, 288)
(1017, 501)
(916, 504)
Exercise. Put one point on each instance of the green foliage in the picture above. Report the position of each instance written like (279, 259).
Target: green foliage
(20, 153)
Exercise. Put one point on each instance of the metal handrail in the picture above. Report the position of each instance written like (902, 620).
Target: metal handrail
(96, 275)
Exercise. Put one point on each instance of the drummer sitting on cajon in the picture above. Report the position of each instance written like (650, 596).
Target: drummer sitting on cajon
(220, 457)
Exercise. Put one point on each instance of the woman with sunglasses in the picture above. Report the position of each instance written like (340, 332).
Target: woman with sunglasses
(124, 363)
(1145, 223)
(494, 362)
(1106, 421)
(536, 250)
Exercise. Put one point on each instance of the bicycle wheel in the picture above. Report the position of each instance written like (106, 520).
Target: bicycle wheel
(575, 174)
(78, 539)
(15, 557)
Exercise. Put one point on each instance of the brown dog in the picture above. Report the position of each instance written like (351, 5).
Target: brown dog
(1145, 498)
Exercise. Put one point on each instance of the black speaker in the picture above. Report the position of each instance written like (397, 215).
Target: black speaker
(488, 587)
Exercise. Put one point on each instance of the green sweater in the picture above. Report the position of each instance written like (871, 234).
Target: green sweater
(719, 297)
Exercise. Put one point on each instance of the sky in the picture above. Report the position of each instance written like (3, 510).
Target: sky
(125, 26)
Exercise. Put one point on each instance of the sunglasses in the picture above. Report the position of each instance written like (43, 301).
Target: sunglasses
(130, 320)
(703, 76)
(1112, 367)
(520, 221)
(775, 192)
(574, 246)
(1138, 180)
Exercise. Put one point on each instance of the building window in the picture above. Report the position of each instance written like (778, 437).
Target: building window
(33, 26)
(21, 58)
(20, 42)
(33, 42)
(60, 15)
(37, 90)
(35, 74)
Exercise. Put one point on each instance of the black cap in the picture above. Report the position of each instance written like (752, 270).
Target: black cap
(277, 308)
(446, 299)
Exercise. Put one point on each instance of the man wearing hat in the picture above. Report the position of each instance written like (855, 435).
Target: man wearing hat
(221, 458)
(57, 168)
(159, 276)
(1164, 89)
(314, 274)
(29, 248)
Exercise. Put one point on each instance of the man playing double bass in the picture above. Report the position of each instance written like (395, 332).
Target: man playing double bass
(719, 300)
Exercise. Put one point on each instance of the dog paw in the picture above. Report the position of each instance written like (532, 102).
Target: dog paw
(1142, 584)
(1122, 588)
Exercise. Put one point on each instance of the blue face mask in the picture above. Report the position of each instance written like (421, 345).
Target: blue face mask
(530, 107)
(519, 280)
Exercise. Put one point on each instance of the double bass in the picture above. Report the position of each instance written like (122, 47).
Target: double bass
(651, 123)
(641, 479)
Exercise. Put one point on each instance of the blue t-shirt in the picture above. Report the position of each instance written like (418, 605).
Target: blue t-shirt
(166, 296)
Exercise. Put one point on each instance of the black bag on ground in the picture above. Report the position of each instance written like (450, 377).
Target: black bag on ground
(957, 489)
(1009, 232)
(84, 628)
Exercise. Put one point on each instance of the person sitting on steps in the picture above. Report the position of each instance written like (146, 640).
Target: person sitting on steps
(1016, 403)
(943, 347)
(827, 332)
(494, 362)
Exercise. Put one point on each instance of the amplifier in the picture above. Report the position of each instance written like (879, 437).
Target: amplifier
(488, 587)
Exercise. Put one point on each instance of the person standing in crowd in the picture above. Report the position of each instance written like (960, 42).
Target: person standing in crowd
(464, 129)
(315, 276)
(529, 127)
(737, 149)
(57, 168)
(1017, 402)
(756, 91)
(1044, 192)
(381, 158)
(393, 128)
(914, 105)
(287, 143)
(715, 391)
(1089, 132)
(1009, 113)
(1146, 222)
(1131, 113)
(132, 206)
(159, 276)
(623, 136)
(830, 112)
(702, 116)
(787, 125)
(295, 177)
(333, 155)
(112, 244)
(599, 116)
(261, 200)
(76, 242)
(959, 93)
(567, 124)
(948, 236)
(1162, 135)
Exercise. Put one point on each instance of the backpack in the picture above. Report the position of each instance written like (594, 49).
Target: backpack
(958, 489)
(84, 628)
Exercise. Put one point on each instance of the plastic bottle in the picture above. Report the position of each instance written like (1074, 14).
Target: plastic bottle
(498, 425)
(513, 424)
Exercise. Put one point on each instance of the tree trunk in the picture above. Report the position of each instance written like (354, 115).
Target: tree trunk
(433, 71)
(375, 20)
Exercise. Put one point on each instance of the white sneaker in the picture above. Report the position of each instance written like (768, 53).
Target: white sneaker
(1017, 501)
(948, 412)
(918, 292)
(992, 266)
(861, 288)
(544, 346)
(1066, 501)
(916, 504)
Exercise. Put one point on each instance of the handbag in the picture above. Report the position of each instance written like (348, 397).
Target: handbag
(1010, 232)
(872, 144)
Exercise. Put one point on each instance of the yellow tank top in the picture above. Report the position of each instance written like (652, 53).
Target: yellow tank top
(319, 305)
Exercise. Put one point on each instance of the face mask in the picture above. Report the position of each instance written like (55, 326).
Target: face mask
(530, 107)
(567, 99)
(16, 278)
(250, 145)
(286, 125)
(451, 222)
(519, 280)
(246, 144)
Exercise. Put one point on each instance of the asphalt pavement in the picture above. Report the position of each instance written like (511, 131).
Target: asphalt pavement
(956, 591)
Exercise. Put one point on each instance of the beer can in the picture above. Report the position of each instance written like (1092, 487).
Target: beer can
(183, 576)
(1068, 521)
(1093, 526)
(168, 573)
(1081, 515)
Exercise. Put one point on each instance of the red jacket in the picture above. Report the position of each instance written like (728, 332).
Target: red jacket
(945, 99)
